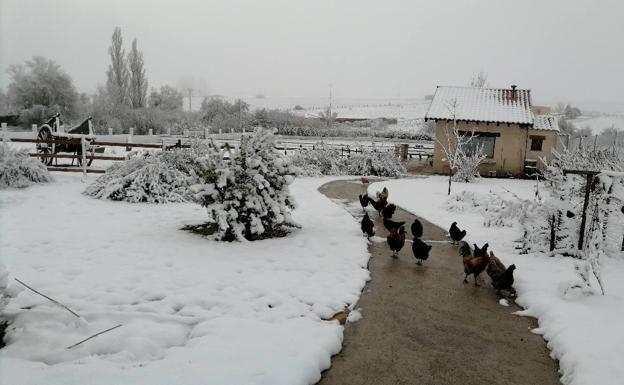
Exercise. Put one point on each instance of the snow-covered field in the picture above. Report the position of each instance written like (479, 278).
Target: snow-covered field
(583, 332)
(193, 311)
(599, 123)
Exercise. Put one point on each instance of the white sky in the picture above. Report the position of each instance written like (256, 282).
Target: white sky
(564, 50)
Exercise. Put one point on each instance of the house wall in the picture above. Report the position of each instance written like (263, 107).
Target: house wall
(509, 148)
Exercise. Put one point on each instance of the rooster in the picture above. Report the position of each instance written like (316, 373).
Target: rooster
(396, 240)
(367, 226)
(420, 250)
(456, 234)
(364, 200)
(388, 211)
(417, 229)
(389, 224)
(473, 264)
(502, 277)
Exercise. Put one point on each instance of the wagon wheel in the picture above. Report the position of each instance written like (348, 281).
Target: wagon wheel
(45, 149)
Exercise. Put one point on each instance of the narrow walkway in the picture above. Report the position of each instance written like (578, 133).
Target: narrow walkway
(422, 325)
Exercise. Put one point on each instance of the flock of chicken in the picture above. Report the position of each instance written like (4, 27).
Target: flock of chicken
(475, 261)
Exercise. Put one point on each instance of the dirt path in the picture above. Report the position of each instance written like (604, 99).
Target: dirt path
(422, 325)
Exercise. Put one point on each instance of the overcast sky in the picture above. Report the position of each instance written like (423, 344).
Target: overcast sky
(566, 50)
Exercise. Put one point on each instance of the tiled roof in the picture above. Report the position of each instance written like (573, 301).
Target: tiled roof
(546, 122)
(481, 104)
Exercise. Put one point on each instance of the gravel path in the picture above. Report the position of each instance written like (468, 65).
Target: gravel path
(422, 325)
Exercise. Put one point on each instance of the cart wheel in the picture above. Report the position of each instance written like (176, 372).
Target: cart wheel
(45, 149)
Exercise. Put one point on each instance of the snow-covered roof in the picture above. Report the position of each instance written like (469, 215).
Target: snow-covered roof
(546, 122)
(495, 105)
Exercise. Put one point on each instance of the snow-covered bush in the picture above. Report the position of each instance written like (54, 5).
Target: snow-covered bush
(4, 283)
(374, 163)
(247, 198)
(19, 170)
(153, 177)
(496, 211)
(323, 160)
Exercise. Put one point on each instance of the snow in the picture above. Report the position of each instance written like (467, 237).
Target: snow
(355, 315)
(583, 331)
(503, 302)
(481, 104)
(193, 311)
(599, 123)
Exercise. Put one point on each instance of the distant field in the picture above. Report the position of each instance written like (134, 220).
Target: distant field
(346, 108)
(599, 123)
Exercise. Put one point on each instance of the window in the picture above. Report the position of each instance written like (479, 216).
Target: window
(536, 143)
(485, 143)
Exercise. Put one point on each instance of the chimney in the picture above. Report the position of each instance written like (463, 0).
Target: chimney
(513, 91)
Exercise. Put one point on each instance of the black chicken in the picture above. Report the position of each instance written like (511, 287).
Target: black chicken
(389, 224)
(383, 194)
(502, 278)
(480, 252)
(379, 204)
(456, 234)
(388, 211)
(417, 229)
(367, 226)
(396, 240)
(364, 200)
(420, 250)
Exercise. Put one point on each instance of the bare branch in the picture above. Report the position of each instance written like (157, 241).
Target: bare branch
(93, 336)
(48, 298)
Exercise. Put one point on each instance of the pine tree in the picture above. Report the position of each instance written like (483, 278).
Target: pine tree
(138, 80)
(248, 198)
(117, 74)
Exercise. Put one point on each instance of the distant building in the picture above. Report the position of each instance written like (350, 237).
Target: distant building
(513, 133)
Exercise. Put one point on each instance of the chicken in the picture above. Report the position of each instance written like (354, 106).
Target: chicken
(464, 250)
(417, 229)
(389, 224)
(367, 226)
(474, 265)
(383, 194)
(364, 200)
(396, 240)
(502, 277)
(480, 252)
(456, 234)
(420, 250)
(388, 211)
(378, 204)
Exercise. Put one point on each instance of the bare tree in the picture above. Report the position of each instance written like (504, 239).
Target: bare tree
(479, 80)
(138, 80)
(117, 74)
(463, 164)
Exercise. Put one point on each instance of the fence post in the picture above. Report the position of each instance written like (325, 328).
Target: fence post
(33, 127)
(129, 139)
(185, 132)
(150, 132)
(110, 131)
(168, 131)
(83, 144)
(5, 135)
(220, 131)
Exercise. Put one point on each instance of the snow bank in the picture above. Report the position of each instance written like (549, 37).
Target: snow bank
(18, 170)
(193, 311)
(583, 332)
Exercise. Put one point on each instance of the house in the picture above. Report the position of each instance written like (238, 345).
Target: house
(513, 134)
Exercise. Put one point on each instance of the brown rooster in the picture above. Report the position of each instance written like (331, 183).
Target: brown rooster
(473, 265)
(396, 240)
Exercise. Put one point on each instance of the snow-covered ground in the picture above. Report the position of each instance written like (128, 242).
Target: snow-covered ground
(193, 311)
(583, 332)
